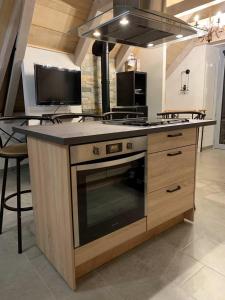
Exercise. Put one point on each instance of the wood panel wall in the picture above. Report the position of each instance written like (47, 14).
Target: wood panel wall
(53, 20)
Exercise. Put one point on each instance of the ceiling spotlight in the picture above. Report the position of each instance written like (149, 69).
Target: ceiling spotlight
(150, 45)
(124, 21)
(97, 33)
(179, 36)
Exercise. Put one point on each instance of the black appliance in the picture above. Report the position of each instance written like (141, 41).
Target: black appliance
(110, 178)
(139, 109)
(103, 49)
(145, 122)
(55, 86)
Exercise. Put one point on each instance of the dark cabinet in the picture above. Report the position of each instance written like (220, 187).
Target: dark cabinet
(131, 88)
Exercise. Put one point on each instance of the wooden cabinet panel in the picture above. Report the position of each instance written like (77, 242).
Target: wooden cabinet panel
(108, 242)
(171, 139)
(171, 166)
(169, 202)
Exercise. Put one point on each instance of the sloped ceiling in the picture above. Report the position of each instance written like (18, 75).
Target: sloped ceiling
(52, 21)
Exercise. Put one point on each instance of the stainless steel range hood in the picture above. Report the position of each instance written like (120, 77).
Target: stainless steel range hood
(141, 23)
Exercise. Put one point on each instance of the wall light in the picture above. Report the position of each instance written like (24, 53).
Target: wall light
(179, 36)
(150, 45)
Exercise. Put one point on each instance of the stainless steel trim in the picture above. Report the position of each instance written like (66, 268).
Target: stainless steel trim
(84, 153)
(75, 207)
(146, 185)
(108, 164)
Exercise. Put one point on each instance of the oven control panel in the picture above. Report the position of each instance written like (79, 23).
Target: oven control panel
(114, 148)
(88, 152)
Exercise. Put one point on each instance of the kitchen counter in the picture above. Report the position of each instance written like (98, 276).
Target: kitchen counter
(89, 132)
(64, 169)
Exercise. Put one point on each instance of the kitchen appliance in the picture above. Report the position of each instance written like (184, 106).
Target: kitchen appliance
(145, 122)
(57, 86)
(138, 23)
(103, 49)
(111, 187)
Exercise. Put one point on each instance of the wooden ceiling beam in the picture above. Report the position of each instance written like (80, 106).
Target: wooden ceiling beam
(185, 6)
(21, 44)
(84, 43)
(8, 38)
(205, 13)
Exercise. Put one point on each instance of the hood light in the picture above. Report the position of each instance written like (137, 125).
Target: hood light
(96, 34)
(150, 45)
(124, 22)
(179, 36)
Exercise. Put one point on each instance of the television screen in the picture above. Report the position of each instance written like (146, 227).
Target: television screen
(57, 86)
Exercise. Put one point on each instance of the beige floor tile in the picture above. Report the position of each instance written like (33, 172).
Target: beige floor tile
(167, 263)
(181, 235)
(207, 284)
(200, 248)
(215, 259)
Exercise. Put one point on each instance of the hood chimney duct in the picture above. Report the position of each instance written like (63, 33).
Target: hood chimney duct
(120, 6)
(103, 49)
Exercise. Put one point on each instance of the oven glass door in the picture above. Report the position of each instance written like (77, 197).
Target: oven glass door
(111, 195)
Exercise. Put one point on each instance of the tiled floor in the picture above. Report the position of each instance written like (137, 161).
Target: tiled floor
(186, 262)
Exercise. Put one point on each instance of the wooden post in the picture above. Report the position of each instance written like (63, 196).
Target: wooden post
(21, 45)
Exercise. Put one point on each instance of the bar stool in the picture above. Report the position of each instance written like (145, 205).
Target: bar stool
(19, 153)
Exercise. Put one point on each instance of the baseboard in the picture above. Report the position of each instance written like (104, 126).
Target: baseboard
(207, 147)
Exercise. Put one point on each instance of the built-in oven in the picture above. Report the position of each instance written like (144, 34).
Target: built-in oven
(110, 186)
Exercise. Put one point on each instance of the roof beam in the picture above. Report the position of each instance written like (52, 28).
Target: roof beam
(84, 43)
(21, 44)
(190, 6)
(8, 38)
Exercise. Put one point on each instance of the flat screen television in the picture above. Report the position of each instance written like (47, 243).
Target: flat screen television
(55, 86)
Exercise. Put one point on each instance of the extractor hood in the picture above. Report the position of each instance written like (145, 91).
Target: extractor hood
(141, 23)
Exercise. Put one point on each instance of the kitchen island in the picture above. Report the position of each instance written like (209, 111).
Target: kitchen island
(57, 152)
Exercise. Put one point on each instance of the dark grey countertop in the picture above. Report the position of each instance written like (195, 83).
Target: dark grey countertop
(90, 132)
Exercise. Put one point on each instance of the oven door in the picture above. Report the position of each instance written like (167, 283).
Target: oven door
(110, 195)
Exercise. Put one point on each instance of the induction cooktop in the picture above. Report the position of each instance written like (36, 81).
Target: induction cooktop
(145, 122)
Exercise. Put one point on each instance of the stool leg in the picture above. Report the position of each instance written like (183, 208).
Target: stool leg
(19, 229)
(3, 193)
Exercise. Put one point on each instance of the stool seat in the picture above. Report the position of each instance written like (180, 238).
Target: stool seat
(14, 151)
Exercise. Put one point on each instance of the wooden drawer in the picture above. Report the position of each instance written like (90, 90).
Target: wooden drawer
(171, 139)
(171, 166)
(108, 242)
(169, 202)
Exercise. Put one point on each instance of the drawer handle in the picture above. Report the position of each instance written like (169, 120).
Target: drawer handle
(175, 135)
(174, 190)
(174, 154)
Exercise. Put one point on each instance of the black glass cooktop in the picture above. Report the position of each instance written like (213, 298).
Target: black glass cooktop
(145, 122)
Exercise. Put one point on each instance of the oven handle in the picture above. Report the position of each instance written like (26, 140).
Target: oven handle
(107, 164)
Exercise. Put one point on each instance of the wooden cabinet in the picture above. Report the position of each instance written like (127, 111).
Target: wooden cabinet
(171, 175)
(169, 167)
(169, 202)
(171, 139)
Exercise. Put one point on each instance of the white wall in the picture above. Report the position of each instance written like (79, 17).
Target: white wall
(153, 61)
(43, 57)
(211, 91)
(203, 62)
(195, 62)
